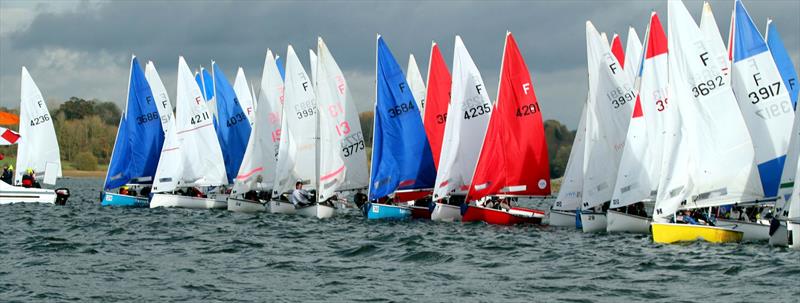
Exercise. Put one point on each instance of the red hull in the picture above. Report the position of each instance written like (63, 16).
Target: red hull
(500, 217)
(420, 212)
(405, 196)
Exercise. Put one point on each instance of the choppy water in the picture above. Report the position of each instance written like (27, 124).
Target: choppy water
(84, 252)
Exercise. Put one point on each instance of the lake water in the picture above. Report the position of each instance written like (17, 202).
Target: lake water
(84, 252)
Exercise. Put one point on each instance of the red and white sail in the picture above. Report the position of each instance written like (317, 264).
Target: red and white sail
(469, 114)
(611, 99)
(640, 165)
(617, 50)
(513, 159)
(438, 99)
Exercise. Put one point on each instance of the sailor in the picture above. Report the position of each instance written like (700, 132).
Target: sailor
(7, 174)
(300, 197)
(28, 179)
(687, 218)
(124, 190)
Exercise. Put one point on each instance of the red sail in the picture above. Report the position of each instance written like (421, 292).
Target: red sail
(616, 49)
(436, 101)
(513, 159)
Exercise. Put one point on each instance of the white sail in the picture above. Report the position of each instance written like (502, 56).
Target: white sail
(640, 166)
(633, 55)
(714, 143)
(710, 30)
(300, 131)
(244, 95)
(763, 98)
(611, 99)
(570, 193)
(416, 83)
(37, 146)
(200, 153)
(469, 113)
(312, 59)
(339, 122)
(163, 104)
(169, 163)
(788, 177)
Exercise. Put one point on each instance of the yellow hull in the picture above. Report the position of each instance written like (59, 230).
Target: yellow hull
(672, 233)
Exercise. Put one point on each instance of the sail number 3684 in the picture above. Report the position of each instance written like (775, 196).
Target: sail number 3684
(398, 110)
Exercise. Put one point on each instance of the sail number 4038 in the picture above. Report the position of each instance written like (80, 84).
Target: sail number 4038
(398, 110)
(40, 119)
(527, 110)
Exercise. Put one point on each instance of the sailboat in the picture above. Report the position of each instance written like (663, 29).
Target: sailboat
(37, 150)
(245, 96)
(401, 155)
(786, 67)
(513, 159)
(611, 99)
(793, 219)
(341, 149)
(569, 199)
(708, 156)
(418, 88)
(299, 134)
(768, 113)
(191, 157)
(640, 166)
(437, 98)
(469, 114)
(138, 145)
(252, 188)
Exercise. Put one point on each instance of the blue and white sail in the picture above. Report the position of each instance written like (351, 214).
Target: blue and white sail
(401, 155)
(206, 83)
(762, 97)
(783, 61)
(233, 127)
(139, 137)
(281, 67)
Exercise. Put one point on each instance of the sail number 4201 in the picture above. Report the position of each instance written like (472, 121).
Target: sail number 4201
(527, 110)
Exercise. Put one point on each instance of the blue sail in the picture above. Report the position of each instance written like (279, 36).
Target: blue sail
(748, 41)
(401, 155)
(140, 137)
(204, 81)
(233, 128)
(281, 68)
(783, 61)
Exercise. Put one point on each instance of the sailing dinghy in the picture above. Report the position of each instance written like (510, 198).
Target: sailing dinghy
(401, 155)
(707, 131)
(191, 158)
(37, 150)
(140, 138)
(252, 188)
(469, 114)
(569, 199)
(640, 165)
(513, 158)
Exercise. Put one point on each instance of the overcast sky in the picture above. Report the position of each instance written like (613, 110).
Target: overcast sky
(83, 48)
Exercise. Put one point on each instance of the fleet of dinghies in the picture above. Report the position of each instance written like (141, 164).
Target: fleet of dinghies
(679, 136)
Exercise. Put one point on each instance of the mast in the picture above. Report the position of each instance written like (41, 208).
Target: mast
(317, 148)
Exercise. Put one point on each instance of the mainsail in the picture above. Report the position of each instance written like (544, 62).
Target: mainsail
(244, 95)
(38, 148)
(233, 127)
(437, 100)
(162, 98)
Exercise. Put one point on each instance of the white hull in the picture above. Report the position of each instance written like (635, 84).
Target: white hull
(318, 211)
(752, 231)
(281, 207)
(593, 222)
(562, 218)
(170, 200)
(795, 231)
(446, 213)
(245, 206)
(16, 194)
(622, 222)
(780, 237)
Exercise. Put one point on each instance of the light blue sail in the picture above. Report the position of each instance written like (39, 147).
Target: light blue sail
(281, 68)
(783, 61)
(205, 81)
(233, 128)
(139, 137)
(401, 155)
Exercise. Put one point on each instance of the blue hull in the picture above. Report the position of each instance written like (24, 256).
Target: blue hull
(111, 199)
(386, 212)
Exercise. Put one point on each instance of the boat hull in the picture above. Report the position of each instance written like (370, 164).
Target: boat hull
(420, 212)
(563, 218)
(118, 200)
(317, 211)
(668, 233)
(446, 212)
(516, 215)
(387, 212)
(281, 207)
(594, 222)
(15, 194)
(245, 206)
(780, 237)
(753, 232)
(170, 200)
(622, 222)
(794, 231)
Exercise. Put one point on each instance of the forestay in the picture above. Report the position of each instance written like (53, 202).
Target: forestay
(38, 148)
(469, 114)
(437, 102)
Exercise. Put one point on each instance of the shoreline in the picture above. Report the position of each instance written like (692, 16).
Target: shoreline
(83, 173)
